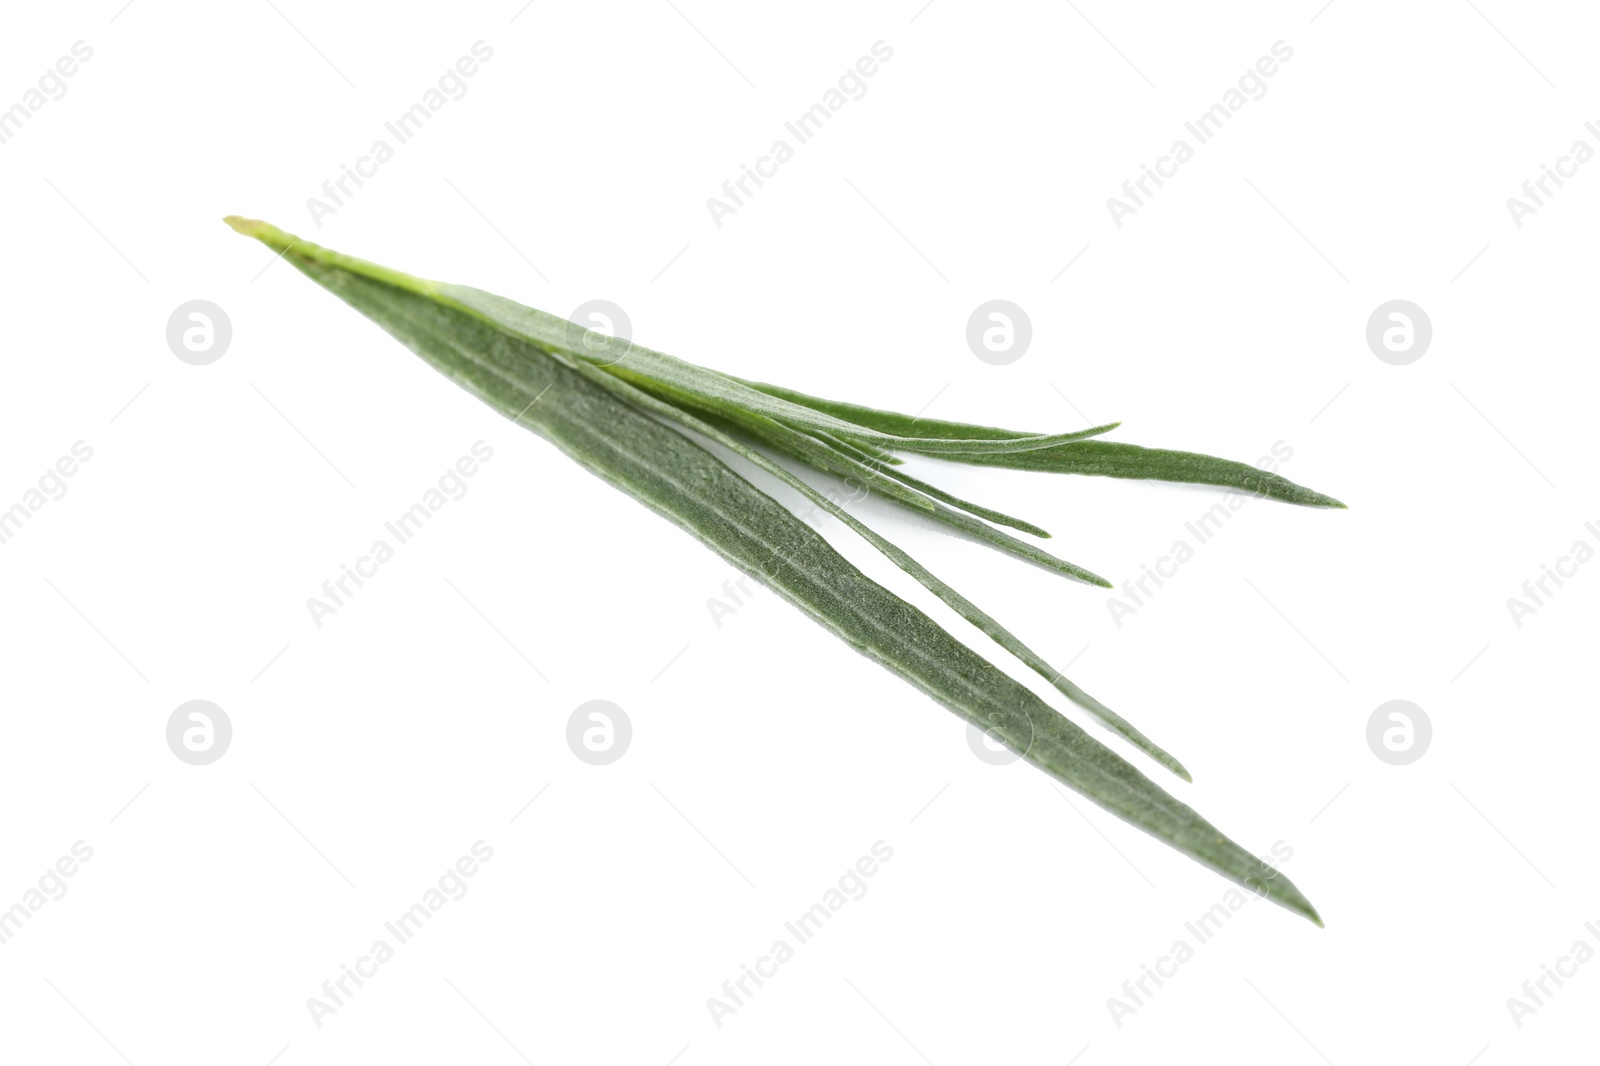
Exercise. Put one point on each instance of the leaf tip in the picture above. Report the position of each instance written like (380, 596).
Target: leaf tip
(1296, 901)
(1313, 498)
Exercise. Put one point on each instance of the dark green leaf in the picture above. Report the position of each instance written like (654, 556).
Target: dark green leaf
(691, 487)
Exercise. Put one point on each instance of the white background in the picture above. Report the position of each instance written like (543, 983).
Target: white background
(1225, 316)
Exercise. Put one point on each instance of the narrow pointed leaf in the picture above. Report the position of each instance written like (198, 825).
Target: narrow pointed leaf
(959, 603)
(868, 451)
(1091, 457)
(999, 518)
(962, 606)
(893, 422)
(806, 449)
(684, 382)
(1104, 458)
(688, 485)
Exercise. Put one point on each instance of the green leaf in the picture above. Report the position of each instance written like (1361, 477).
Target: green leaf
(1092, 457)
(891, 422)
(1103, 458)
(959, 603)
(684, 382)
(806, 449)
(882, 466)
(687, 484)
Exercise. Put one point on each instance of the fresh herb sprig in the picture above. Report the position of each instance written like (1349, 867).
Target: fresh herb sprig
(614, 415)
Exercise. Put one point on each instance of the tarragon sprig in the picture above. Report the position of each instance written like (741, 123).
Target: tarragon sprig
(612, 416)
